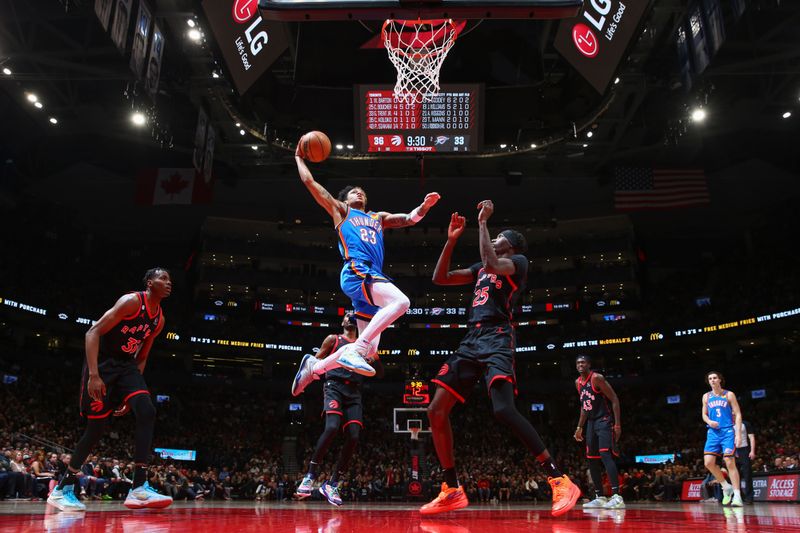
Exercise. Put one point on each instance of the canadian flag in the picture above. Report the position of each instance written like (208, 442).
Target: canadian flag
(176, 186)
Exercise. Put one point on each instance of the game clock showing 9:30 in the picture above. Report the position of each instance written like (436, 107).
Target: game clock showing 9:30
(416, 393)
(449, 122)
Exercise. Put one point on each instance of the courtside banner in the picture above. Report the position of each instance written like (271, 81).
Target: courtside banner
(595, 41)
(770, 488)
(249, 43)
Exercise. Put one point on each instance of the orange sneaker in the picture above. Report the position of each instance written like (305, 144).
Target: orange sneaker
(565, 494)
(447, 500)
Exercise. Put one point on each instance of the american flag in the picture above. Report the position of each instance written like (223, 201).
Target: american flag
(646, 188)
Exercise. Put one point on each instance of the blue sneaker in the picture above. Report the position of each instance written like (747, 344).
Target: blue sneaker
(305, 375)
(146, 497)
(65, 499)
(331, 493)
(352, 360)
(305, 489)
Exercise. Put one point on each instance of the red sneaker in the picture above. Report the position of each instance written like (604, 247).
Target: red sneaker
(565, 494)
(447, 500)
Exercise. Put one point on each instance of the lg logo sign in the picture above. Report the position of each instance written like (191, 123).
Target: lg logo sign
(585, 41)
(243, 10)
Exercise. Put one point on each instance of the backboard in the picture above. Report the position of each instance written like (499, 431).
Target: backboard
(318, 10)
(406, 418)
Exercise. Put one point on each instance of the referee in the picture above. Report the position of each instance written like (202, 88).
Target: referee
(744, 460)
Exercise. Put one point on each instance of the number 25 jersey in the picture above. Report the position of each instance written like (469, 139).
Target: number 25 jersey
(496, 296)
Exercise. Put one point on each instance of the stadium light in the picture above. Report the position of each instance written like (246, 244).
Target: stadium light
(53, 120)
(32, 98)
(194, 34)
(699, 114)
(138, 119)
(787, 114)
(7, 71)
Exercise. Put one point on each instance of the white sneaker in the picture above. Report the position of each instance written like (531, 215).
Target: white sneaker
(615, 502)
(737, 500)
(305, 375)
(65, 499)
(727, 495)
(146, 497)
(353, 360)
(597, 503)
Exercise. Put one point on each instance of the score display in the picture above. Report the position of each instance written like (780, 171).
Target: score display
(416, 393)
(451, 122)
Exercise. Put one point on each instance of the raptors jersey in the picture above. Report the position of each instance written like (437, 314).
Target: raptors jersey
(495, 296)
(125, 339)
(341, 373)
(361, 238)
(592, 400)
(719, 409)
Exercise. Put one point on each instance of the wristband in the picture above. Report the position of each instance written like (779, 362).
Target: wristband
(415, 216)
(579, 428)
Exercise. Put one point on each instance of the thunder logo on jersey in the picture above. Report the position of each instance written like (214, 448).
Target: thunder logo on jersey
(361, 237)
(719, 409)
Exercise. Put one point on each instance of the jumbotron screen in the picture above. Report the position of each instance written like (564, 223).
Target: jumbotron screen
(450, 122)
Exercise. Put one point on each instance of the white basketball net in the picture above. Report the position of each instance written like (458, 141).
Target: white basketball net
(417, 49)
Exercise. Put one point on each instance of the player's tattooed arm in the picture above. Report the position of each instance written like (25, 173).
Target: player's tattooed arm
(502, 266)
(442, 275)
(327, 345)
(402, 220)
(335, 208)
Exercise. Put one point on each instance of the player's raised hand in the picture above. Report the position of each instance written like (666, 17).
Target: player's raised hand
(456, 227)
(486, 209)
(430, 199)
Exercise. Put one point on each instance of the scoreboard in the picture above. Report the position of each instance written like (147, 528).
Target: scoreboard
(450, 122)
(416, 393)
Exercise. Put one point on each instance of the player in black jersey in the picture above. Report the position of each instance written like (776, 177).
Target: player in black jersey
(603, 429)
(117, 347)
(487, 350)
(341, 403)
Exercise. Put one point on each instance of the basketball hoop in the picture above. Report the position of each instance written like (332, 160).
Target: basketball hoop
(417, 49)
(415, 433)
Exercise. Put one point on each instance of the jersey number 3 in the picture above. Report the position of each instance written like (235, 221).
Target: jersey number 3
(481, 296)
(368, 235)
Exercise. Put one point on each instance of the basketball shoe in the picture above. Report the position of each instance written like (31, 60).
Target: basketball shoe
(331, 493)
(727, 494)
(146, 497)
(565, 494)
(615, 502)
(305, 375)
(737, 500)
(353, 359)
(447, 500)
(597, 503)
(305, 489)
(65, 499)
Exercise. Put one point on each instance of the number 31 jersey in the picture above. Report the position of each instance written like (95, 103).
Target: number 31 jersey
(361, 238)
(495, 297)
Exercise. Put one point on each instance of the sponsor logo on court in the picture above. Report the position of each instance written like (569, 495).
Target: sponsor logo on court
(584, 40)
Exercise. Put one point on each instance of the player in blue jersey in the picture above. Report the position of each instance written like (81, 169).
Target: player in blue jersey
(724, 419)
(376, 300)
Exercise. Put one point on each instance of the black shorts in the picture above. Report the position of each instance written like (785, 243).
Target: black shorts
(344, 399)
(123, 381)
(600, 437)
(486, 351)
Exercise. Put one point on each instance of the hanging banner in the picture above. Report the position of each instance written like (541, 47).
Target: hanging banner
(200, 140)
(249, 43)
(121, 26)
(102, 9)
(595, 41)
(208, 159)
(141, 33)
(153, 73)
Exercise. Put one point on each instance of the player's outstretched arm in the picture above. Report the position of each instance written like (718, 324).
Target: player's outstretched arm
(491, 263)
(442, 275)
(402, 220)
(335, 208)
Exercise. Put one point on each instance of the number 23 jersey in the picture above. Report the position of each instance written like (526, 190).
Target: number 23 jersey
(361, 238)
(495, 296)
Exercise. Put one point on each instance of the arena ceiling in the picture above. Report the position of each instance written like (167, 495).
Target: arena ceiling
(57, 49)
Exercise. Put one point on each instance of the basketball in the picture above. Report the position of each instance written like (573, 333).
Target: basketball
(315, 146)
